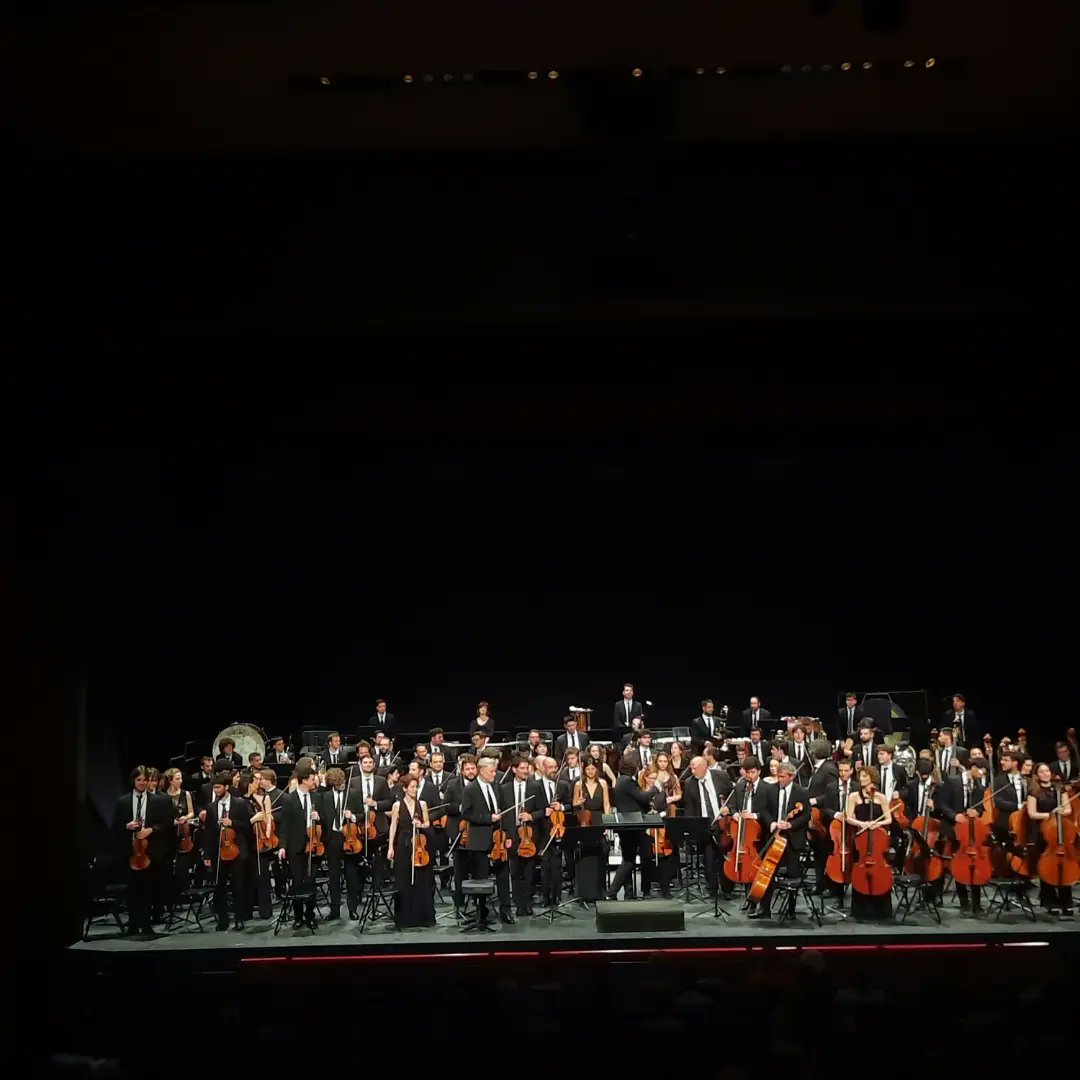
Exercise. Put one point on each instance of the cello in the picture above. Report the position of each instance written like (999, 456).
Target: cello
(871, 875)
(1059, 864)
(838, 864)
(971, 863)
(770, 860)
(741, 859)
(924, 858)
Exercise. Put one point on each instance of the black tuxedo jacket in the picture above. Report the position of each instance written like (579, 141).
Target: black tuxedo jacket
(239, 815)
(196, 783)
(938, 796)
(344, 755)
(325, 806)
(384, 800)
(859, 750)
(761, 752)
(562, 742)
(387, 722)
(476, 811)
(699, 730)
(830, 802)
(968, 728)
(900, 779)
(636, 758)
(620, 723)
(955, 756)
(821, 779)
(1057, 769)
(449, 755)
(628, 798)
(692, 801)
(841, 729)
(540, 804)
(157, 815)
(764, 719)
(796, 835)
(1005, 794)
(292, 829)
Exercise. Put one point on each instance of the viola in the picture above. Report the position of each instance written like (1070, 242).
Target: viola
(314, 845)
(370, 831)
(557, 823)
(498, 845)
(227, 846)
(871, 875)
(352, 841)
(266, 837)
(463, 829)
(420, 854)
(526, 843)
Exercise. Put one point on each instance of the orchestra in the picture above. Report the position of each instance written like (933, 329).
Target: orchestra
(844, 817)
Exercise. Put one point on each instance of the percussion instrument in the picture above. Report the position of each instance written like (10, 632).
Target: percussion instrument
(247, 738)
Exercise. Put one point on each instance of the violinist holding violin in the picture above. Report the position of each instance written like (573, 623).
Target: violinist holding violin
(410, 834)
(228, 826)
(299, 815)
(142, 818)
(481, 808)
(552, 804)
(525, 792)
(369, 799)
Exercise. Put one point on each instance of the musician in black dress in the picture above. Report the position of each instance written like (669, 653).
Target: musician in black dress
(414, 904)
(1042, 803)
(482, 721)
(867, 809)
(591, 795)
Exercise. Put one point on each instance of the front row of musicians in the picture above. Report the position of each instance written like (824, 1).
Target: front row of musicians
(462, 816)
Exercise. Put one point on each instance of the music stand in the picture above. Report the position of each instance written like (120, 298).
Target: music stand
(578, 835)
(376, 894)
(690, 831)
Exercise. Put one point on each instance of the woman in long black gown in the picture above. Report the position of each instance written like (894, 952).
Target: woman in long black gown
(1042, 801)
(869, 804)
(414, 902)
(591, 794)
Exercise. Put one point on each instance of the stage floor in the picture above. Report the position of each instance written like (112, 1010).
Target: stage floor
(577, 935)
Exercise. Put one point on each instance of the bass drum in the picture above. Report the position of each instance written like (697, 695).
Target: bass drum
(248, 738)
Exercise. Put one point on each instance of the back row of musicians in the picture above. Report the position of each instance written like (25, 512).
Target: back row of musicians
(792, 788)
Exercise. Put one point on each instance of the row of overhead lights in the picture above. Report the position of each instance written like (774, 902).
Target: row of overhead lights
(639, 73)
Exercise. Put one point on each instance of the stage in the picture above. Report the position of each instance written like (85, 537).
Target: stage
(576, 936)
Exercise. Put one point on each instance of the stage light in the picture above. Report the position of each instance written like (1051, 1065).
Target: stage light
(909, 63)
(636, 73)
(324, 80)
(408, 79)
(930, 62)
(553, 74)
(866, 65)
(721, 71)
(699, 71)
(845, 66)
(448, 78)
(532, 75)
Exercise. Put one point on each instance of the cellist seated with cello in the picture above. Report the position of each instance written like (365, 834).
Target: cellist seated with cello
(785, 816)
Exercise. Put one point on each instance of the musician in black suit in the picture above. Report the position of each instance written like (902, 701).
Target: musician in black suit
(277, 754)
(628, 798)
(1063, 764)
(849, 717)
(144, 815)
(830, 796)
(798, 753)
(704, 792)
(707, 725)
(383, 720)
(481, 808)
(571, 737)
(385, 754)
(759, 747)
(553, 793)
(199, 781)
(755, 716)
(894, 779)
(301, 807)
(643, 753)
(227, 749)
(948, 757)
(332, 807)
(437, 745)
(1010, 794)
(454, 794)
(963, 797)
(227, 811)
(865, 750)
(626, 708)
(368, 792)
(786, 813)
(960, 715)
(522, 791)
(334, 755)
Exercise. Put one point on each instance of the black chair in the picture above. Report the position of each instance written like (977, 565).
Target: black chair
(288, 905)
(474, 891)
(913, 894)
(191, 902)
(100, 899)
(1010, 892)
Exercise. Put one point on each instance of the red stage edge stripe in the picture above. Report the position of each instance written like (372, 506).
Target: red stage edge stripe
(675, 951)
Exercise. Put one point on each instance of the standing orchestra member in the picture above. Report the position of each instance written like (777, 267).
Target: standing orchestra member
(455, 796)
(758, 747)
(755, 716)
(300, 812)
(335, 754)
(960, 716)
(333, 817)
(437, 745)
(833, 803)
(596, 753)
(704, 793)
(1063, 764)
(628, 798)
(523, 793)
(202, 780)
(414, 901)
(591, 793)
(383, 720)
(278, 754)
(680, 759)
(626, 708)
(571, 739)
(554, 795)
(480, 807)
(865, 753)
(948, 756)
(145, 816)
(706, 726)
(798, 753)
(867, 809)
(642, 755)
(849, 717)
(1042, 802)
(178, 870)
(370, 799)
(482, 721)
(227, 811)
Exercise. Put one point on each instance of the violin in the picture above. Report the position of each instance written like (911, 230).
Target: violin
(526, 843)
(139, 858)
(227, 846)
(557, 824)
(498, 844)
(420, 854)
(352, 841)
(463, 831)
(314, 845)
(184, 843)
